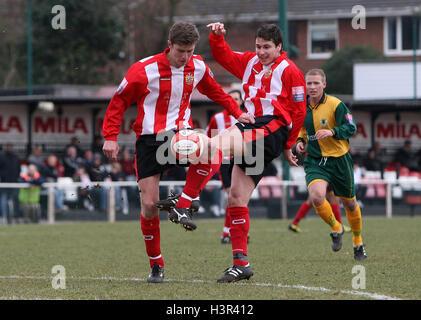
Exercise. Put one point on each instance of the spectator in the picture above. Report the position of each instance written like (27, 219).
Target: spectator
(29, 197)
(88, 158)
(9, 172)
(71, 162)
(85, 191)
(97, 148)
(406, 157)
(76, 143)
(51, 174)
(127, 165)
(372, 162)
(122, 200)
(97, 173)
(36, 158)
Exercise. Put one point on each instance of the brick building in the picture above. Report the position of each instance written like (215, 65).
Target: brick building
(316, 28)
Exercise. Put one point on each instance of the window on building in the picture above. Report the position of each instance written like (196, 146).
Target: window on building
(322, 38)
(399, 35)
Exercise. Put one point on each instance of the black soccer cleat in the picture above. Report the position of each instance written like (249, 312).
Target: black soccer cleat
(359, 252)
(236, 273)
(182, 216)
(225, 239)
(337, 239)
(171, 202)
(157, 274)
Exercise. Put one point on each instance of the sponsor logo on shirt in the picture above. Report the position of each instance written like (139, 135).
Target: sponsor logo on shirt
(348, 117)
(323, 122)
(298, 93)
(122, 85)
(311, 138)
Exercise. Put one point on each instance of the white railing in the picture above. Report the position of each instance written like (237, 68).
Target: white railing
(284, 184)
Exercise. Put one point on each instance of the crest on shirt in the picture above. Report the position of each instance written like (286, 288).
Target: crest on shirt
(324, 122)
(268, 73)
(189, 78)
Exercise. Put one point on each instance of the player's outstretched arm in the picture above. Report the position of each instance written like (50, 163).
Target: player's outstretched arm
(217, 28)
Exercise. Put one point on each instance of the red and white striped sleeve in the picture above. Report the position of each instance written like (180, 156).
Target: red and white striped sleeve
(294, 82)
(131, 88)
(234, 62)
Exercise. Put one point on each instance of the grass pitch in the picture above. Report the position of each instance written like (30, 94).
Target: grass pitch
(108, 261)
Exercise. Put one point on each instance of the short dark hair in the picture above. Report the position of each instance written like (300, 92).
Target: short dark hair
(270, 32)
(183, 33)
(235, 91)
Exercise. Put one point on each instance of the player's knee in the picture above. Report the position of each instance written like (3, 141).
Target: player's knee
(149, 210)
(235, 199)
(317, 198)
(350, 205)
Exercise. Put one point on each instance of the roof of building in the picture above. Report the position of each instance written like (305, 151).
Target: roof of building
(204, 11)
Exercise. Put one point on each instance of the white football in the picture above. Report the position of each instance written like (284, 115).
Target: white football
(187, 145)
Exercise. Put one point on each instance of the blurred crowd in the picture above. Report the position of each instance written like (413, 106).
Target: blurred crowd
(90, 165)
(76, 165)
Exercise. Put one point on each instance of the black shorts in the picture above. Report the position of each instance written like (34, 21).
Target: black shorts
(147, 162)
(263, 145)
(224, 174)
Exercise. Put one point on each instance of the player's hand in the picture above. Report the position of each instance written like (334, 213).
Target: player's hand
(290, 158)
(246, 118)
(111, 149)
(300, 147)
(323, 134)
(217, 28)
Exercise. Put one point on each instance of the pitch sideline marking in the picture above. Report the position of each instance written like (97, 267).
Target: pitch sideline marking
(374, 296)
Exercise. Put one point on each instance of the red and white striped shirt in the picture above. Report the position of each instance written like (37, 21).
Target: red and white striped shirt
(163, 94)
(219, 122)
(277, 89)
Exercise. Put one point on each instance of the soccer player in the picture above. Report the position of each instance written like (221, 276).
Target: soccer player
(306, 206)
(328, 125)
(274, 92)
(161, 85)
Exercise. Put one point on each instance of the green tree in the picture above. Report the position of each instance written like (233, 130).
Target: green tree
(339, 68)
(81, 53)
(12, 36)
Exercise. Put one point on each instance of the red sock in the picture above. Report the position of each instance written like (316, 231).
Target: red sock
(240, 225)
(197, 177)
(305, 207)
(336, 211)
(151, 235)
(227, 224)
